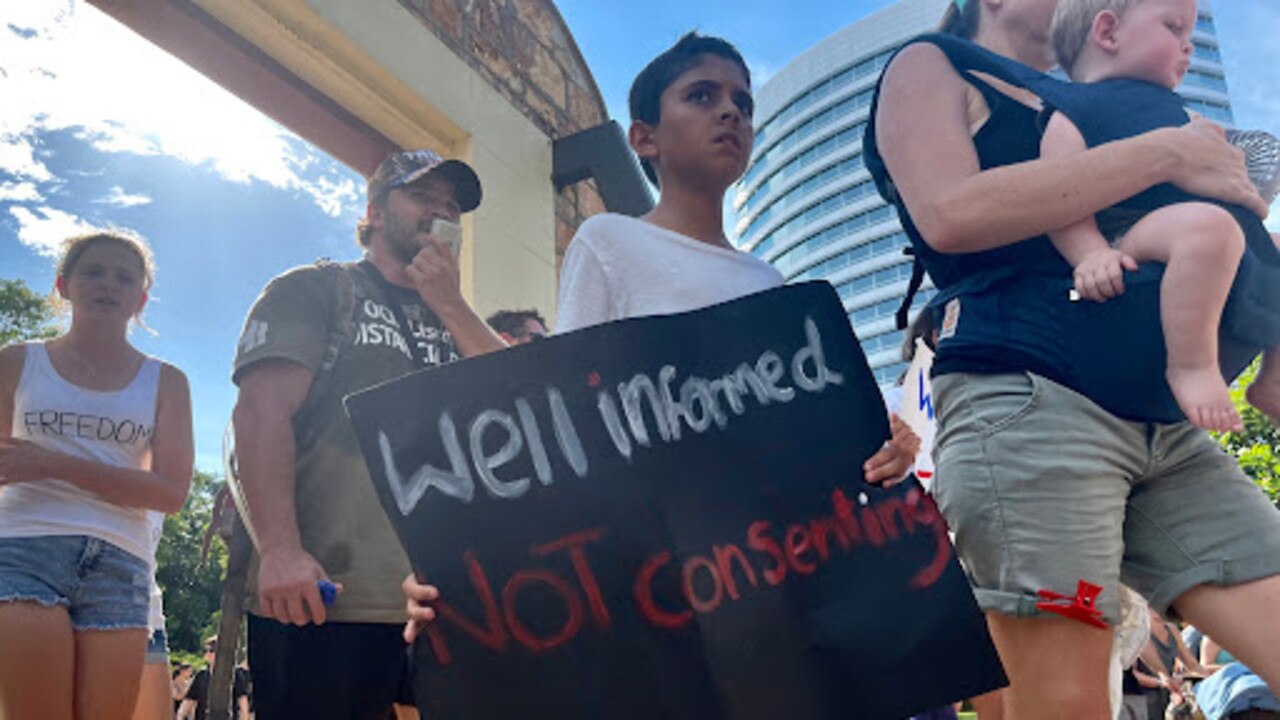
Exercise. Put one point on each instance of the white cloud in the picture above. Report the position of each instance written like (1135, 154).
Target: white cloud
(19, 192)
(119, 198)
(17, 152)
(44, 229)
(81, 70)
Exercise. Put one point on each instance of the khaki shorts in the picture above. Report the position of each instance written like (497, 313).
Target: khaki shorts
(1043, 488)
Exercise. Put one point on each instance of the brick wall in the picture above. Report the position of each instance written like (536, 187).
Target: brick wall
(525, 51)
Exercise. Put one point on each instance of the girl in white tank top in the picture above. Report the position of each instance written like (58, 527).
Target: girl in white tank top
(94, 436)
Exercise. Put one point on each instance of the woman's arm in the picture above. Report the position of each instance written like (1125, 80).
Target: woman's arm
(1191, 665)
(922, 131)
(1098, 267)
(1151, 672)
(11, 359)
(162, 488)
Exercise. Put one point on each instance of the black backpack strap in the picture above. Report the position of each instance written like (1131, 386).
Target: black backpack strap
(341, 328)
(913, 287)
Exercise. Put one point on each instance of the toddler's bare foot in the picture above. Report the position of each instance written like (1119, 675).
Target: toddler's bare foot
(1264, 394)
(1203, 396)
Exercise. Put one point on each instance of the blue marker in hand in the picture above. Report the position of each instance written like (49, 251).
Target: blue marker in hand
(328, 592)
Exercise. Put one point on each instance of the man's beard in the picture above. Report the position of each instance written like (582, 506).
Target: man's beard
(400, 240)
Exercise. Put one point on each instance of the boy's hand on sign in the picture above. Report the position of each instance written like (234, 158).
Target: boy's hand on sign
(418, 606)
(1100, 275)
(892, 462)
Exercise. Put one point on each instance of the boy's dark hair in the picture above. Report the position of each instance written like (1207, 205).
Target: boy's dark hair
(512, 321)
(645, 99)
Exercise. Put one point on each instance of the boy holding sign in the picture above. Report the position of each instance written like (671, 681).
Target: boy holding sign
(691, 111)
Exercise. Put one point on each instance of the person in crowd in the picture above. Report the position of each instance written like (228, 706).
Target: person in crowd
(1105, 45)
(1080, 492)
(93, 435)
(196, 700)
(1159, 672)
(691, 111)
(1234, 692)
(314, 335)
(518, 327)
(179, 684)
(242, 691)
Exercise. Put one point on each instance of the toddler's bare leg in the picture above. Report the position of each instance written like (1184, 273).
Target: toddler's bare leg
(1264, 393)
(1200, 245)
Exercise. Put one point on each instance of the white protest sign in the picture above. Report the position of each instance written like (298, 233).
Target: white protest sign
(917, 410)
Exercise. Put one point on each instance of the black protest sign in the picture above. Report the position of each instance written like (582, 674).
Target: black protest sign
(664, 517)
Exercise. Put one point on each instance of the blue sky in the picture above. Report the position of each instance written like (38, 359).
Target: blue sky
(98, 127)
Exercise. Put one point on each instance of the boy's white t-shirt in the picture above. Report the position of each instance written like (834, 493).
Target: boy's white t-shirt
(621, 267)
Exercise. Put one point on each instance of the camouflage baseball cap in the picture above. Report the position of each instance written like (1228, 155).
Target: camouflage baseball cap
(408, 166)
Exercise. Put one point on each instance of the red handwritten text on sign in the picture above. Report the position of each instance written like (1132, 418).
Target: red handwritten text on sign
(726, 573)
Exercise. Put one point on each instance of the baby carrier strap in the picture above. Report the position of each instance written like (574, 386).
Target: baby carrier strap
(968, 59)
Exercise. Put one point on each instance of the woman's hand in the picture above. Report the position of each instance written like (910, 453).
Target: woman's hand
(418, 606)
(1208, 165)
(896, 458)
(23, 461)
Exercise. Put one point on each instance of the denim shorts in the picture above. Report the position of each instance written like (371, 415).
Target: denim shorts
(1043, 489)
(101, 586)
(158, 648)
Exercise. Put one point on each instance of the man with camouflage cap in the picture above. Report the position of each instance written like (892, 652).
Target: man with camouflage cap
(315, 334)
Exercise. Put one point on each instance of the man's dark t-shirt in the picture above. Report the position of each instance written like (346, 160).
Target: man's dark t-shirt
(340, 518)
(199, 690)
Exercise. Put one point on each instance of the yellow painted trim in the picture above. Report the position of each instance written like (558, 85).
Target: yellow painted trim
(300, 39)
(296, 36)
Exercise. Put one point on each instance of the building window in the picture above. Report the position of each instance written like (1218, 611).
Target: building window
(1199, 78)
(822, 89)
(1207, 52)
(844, 168)
(873, 280)
(888, 308)
(849, 136)
(864, 251)
(795, 254)
(823, 207)
(891, 340)
(807, 129)
(1213, 111)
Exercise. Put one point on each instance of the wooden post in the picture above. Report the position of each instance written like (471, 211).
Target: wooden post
(239, 555)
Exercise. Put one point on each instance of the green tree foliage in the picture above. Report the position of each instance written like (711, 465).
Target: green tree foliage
(24, 313)
(192, 590)
(1258, 447)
